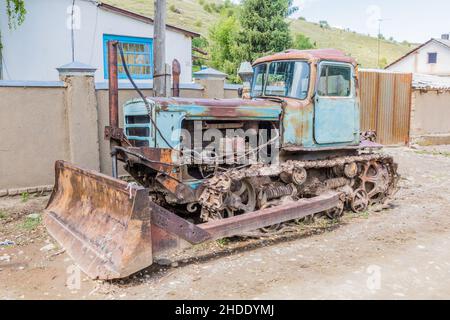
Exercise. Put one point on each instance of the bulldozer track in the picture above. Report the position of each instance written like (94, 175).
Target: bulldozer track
(377, 170)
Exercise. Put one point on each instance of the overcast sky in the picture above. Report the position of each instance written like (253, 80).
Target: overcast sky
(415, 21)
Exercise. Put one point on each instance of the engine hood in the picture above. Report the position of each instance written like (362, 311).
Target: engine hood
(216, 109)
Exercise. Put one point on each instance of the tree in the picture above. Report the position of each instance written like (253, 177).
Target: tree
(15, 10)
(264, 28)
(302, 42)
(248, 31)
(200, 47)
(224, 50)
(383, 62)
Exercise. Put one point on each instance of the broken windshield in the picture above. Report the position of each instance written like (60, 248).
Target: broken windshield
(281, 79)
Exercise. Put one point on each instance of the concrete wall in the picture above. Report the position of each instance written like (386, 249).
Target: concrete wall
(34, 50)
(430, 116)
(41, 122)
(33, 131)
(417, 62)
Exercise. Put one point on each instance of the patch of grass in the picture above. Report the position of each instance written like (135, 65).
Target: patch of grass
(3, 215)
(198, 23)
(31, 223)
(25, 196)
(223, 242)
(433, 153)
(364, 214)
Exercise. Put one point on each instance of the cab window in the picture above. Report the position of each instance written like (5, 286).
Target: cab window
(288, 79)
(335, 81)
(259, 78)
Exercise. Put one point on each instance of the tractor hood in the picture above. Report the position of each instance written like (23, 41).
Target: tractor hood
(213, 109)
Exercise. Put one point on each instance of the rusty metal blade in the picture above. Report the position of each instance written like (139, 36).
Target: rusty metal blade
(103, 223)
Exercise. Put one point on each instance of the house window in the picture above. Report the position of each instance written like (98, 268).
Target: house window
(138, 54)
(432, 57)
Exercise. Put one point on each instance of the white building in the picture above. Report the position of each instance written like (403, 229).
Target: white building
(432, 57)
(44, 42)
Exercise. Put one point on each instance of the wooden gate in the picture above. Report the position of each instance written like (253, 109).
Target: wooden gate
(386, 105)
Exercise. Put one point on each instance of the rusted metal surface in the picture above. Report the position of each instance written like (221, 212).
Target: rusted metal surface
(365, 144)
(386, 105)
(230, 103)
(217, 197)
(177, 226)
(113, 85)
(182, 192)
(176, 71)
(103, 223)
(272, 216)
(114, 133)
(309, 55)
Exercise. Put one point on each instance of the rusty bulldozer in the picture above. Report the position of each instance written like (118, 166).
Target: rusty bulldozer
(289, 149)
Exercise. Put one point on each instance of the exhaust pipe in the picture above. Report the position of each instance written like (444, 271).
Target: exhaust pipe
(113, 102)
(113, 85)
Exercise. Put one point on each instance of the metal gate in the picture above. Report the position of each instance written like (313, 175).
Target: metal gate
(386, 105)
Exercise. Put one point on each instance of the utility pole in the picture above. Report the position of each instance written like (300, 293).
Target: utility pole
(379, 40)
(159, 50)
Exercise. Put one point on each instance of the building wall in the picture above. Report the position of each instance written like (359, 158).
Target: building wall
(34, 50)
(429, 117)
(417, 62)
(33, 133)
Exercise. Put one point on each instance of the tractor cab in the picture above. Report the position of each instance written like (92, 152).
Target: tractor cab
(320, 95)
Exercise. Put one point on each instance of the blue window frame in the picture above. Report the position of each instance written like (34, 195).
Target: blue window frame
(138, 54)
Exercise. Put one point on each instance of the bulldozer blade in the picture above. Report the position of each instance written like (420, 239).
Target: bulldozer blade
(103, 223)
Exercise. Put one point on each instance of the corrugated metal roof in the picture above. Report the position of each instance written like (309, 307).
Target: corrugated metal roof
(429, 82)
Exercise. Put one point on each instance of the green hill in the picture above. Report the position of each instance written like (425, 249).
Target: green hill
(199, 15)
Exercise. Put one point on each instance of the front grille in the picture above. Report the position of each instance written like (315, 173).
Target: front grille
(137, 119)
(138, 132)
(139, 143)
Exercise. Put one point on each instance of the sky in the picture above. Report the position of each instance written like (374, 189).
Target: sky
(411, 20)
(414, 21)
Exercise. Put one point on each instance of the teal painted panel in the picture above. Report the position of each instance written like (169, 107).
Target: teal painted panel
(336, 110)
(335, 120)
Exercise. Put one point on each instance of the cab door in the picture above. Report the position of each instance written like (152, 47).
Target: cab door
(336, 113)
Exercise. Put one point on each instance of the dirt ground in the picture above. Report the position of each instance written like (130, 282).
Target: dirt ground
(399, 253)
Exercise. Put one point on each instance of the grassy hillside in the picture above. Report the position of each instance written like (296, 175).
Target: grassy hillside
(362, 47)
(191, 15)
